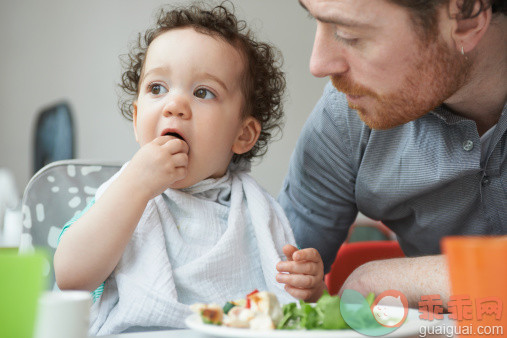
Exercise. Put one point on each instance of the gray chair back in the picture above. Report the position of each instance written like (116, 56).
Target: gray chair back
(54, 195)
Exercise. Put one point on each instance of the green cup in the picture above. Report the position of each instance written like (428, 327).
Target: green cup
(21, 283)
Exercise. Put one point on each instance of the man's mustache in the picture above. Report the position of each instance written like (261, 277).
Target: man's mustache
(346, 86)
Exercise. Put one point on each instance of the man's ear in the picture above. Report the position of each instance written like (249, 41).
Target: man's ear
(468, 32)
(247, 136)
(134, 119)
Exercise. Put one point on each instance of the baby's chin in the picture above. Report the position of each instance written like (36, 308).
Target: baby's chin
(184, 183)
(191, 180)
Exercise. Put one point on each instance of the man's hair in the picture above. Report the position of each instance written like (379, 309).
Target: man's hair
(263, 83)
(424, 12)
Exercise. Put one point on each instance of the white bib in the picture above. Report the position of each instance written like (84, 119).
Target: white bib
(213, 242)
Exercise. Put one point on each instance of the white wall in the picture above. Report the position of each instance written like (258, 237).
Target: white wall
(68, 50)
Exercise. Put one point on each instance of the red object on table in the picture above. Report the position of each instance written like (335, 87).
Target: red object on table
(248, 301)
(352, 255)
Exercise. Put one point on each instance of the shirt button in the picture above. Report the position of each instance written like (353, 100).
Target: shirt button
(485, 181)
(468, 145)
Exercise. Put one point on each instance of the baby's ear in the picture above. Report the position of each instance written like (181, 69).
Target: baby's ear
(247, 136)
(134, 118)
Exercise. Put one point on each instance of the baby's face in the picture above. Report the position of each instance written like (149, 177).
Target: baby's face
(191, 86)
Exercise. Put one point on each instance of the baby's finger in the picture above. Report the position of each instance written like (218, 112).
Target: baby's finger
(298, 281)
(306, 268)
(298, 293)
(180, 160)
(175, 145)
(289, 250)
(179, 173)
(309, 254)
(161, 140)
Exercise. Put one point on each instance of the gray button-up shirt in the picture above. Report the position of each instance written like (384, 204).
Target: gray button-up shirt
(424, 179)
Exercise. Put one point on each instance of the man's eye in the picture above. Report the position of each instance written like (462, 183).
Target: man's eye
(157, 89)
(204, 93)
(347, 41)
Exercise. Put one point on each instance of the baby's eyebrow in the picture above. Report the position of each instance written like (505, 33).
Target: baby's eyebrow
(203, 75)
(216, 79)
(153, 70)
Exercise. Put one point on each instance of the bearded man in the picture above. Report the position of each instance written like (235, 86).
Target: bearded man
(411, 131)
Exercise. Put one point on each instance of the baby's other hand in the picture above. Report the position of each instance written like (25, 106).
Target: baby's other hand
(158, 164)
(302, 273)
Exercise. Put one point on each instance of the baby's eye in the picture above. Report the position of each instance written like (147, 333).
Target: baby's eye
(157, 89)
(204, 93)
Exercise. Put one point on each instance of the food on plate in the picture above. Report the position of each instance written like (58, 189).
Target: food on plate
(262, 311)
(258, 311)
(262, 321)
(266, 303)
(323, 315)
(210, 313)
(239, 316)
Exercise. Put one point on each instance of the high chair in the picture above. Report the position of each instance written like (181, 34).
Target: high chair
(53, 196)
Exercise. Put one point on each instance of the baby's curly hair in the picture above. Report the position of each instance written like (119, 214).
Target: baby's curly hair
(263, 83)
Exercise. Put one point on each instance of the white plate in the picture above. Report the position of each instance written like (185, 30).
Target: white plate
(410, 328)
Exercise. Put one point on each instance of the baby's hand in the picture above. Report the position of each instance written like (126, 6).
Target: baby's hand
(159, 164)
(302, 273)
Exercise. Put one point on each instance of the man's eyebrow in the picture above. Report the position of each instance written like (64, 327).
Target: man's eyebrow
(336, 21)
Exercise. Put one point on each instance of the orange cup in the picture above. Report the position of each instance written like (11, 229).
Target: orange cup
(478, 275)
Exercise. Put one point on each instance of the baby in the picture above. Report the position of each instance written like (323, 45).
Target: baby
(183, 222)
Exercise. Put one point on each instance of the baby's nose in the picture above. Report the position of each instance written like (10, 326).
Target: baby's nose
(177, 105)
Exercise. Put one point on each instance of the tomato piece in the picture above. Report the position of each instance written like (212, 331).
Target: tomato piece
(248, 298)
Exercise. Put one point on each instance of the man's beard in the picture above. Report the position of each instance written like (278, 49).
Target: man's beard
(434, 76)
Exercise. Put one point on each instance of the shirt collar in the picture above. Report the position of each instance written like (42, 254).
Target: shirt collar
(449, 117)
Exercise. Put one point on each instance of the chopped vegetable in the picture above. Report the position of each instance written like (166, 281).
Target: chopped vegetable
(330, 307)
(261, 310)
(211, 316)
(252, 293)
(248, 301)
(324, 315)
(239, 302)
(209, 313)
(227, 307)
(370, 298)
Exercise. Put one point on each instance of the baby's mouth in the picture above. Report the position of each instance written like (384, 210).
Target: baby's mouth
(175, 135)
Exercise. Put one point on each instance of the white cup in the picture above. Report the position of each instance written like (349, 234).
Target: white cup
(12, 228)
(63, 314)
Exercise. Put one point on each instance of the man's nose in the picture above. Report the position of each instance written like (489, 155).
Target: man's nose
(177, 105)
(327, 57)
